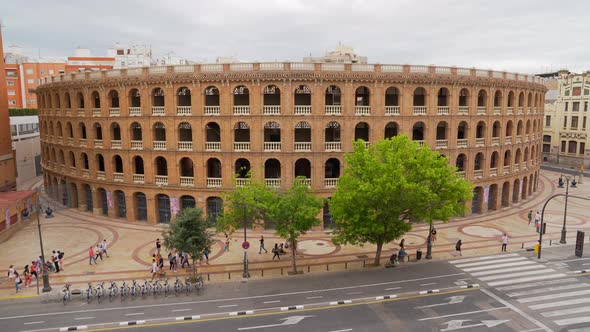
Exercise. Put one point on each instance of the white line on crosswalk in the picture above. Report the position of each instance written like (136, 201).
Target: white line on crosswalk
(553, 296)
(514, 275)
(490, 262)
(520, 280)
(468, 260)
(545, 290)
(562, 312)
(583, 329)
(488, 267)
(559, 304)
(570, 321)
(535, 284)
(510, 269)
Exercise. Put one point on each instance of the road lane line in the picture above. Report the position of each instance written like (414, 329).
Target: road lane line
(552, 296)
(535, 284)
(496, 261)
(515, 309)
(428, 284)
(477, 259)
(392, 288)
(462, 313)
(510, 269)
(313, 297)
(353, 293)
(227, 306)
(39, 322)
(520, 280)
(232, 299)
(548, 289)
(82, 318)
(559, 304)
(135, 314)
(176, 310)
(570, 321)
(497, 266)
(570, 311)
(342, 330)
(516, 275)
(267, 302)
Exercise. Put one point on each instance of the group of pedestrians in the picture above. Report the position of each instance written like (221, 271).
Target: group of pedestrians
(175, 259)
(277, 249)
(98, 252)
(537, 219)
(25, 278)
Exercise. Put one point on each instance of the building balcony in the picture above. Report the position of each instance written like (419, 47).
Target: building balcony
(306, 181)
(302, 110)
(507, 140)
(520, 110)
(211, 110)
(461, 174)
(272, 146)
(214, 182)
(114, 111)
(333, 146)
(116, 144)
(241, 146)
(86, 173)
(462, 143)
(158, 110)
(100, 175)
(495, 140)
(419, 110)
(136, 145)
(80, 112)
(184, 110)
(118, 177)
(516, 167)
(70, 141)
(273, 183)
(187, 181)
(271, 110)
(330, 183)
(242, 182)
(60, 140)
(134, 111)
(160, 145)
(242, 110)
(480, 141)
(391, 110)
(362, 110)
(463, 110)
(139, 178)
(518, 139)
(478, 173)
(481, 110)
(212, 146)
(82, 142)
(528, 110)
(443, 110)
(185, 146)
(62, 169)
(493, 171)
(333, 109)
(420, 142)
(302, 146)
(506, 169)
(96, 112)
(497, 111)
(161, 180)
(98, 143)
(510, 110)
(442, 143)
(72, 170)
(68, 112)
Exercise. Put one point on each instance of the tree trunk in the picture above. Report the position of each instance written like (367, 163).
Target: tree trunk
(194, 268)
(378, 253)
(293, 262)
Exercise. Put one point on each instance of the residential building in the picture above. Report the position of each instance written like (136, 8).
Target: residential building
(130, 56)
(84, 61)
(342, 54)
(26, 143)
(7, 154)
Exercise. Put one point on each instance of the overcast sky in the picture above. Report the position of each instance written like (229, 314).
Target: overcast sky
(527, 36)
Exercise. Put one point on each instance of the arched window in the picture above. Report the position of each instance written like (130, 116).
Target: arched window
(100, 162)
(158, 97)
(114, 99)
(464, 99)
(418, 131)
(272, 136)
(441, 131)
(419, 97)
(72, 158)
(118, 164)
(212, 133)
(211, 97)
(332, 168)
(185, 133)
(80, 98)
(161, 166)
(242, 168)
(498, 99)
(443, 97)
(272, 169)
(302, 136)
(159, 132)
(332, 132)
(303, 168)
(494, 160)
(271, 96)
(482, 101)
(241, 96)
(478, 162)
(241, 133)
(214, 168)
(392, 97)
(460, 162)
(138, 165)
(361, 131)
(186, 168)
(70, 130)
(82, 128)
(135, 98)
(136, 134)
(361, 96)
(333, 96)
(183, 97)
(509, 127)
(480, 130)
(302, 100)
(84, 158)
(57, 101)
(115, 132)
(391, 130)
(67, 100)
(95, 99)
(97, 131)
(496, 129)
(511, 99)
(214, 208)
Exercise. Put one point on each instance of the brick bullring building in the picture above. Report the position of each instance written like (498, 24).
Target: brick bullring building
(142, 143)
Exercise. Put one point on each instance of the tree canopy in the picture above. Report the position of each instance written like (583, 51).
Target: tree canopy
(391, 184)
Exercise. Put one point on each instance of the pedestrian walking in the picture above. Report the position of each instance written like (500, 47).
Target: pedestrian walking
(158, 246)
(262, 246)
(458, 247)
(104, 247)
(504, 242)
(55, 260)
(401, 244)
(98, 252)
(154, 269)
(537, 220)
(60, 258)
(34, 270)
(91, 256)
(206, 253)
(276, 252)
(171, 261)
(184, 260)
(28, 277)
(226, 243)
(530, 216)
(433, 233)
(11, 272)
(17, 281)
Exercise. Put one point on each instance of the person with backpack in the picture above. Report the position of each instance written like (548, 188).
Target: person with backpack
(276, 252)
(17, 281)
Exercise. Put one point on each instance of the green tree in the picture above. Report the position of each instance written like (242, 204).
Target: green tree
(294, 212)
(391, 184)
(189, 234)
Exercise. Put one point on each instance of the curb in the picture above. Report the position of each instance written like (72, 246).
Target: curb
(136, 322)
(74, 328)
(188, 318)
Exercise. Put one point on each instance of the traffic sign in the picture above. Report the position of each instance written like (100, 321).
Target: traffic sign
(245, 245)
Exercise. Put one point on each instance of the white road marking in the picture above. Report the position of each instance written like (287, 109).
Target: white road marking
(535, 284)
(176, 310)
(494, 266)
(233, 299)
(575, 259)
(553, 296)
(531, 330)
(314, 297)
(586, 264)
(428, 284)
(227, 306)
(495, 261)
(570, 311)
(267, 302)
(462, 313)
(342, 330)
(559, 304)
(513, 275)
(353, 293)
(583, 329)
(570, 321)
(548, 289)
(517, 281)
(392, 288)
(135, 314)
(515, 309)
(39, 322)
(511, 269)
(82, 318)
(467, 260)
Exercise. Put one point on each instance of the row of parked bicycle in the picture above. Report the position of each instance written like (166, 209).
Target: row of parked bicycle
(148, 288)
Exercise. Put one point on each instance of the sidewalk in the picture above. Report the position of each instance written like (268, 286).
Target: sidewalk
(132, 244)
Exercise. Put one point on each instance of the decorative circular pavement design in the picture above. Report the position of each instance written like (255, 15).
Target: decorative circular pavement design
(556, 219)
(410, 240)
(481, 231)
(317, 247)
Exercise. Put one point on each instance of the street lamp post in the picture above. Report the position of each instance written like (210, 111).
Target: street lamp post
(246, 274)
(563, 231)
(46, 286)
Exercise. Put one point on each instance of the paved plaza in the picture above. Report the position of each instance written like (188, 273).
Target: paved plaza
(131, 245)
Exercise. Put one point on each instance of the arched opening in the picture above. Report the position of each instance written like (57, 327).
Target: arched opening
(84, 158)
(241, 96)
(158, 97)
(419, 98)
(391, 130)
(441, 131)
(73, 189)
(477, 200)
(442, 99)
(185, 136)
(120, 204)
(113, 99)
(88, 197)
(528, 127)
(506, 194)
(272, 136)
(159, 131)
(303, 168)
(332, 132)
(134, 98)
(509, 127)
(183, 97)
(186, 168)
(72, 158)
(140, 206)
(115, 135)
(507, 158)
(462, 131)
(478, 163)
(494, 160)
(521, 100)
(529, 100)
(496, 130)
(361, 131)
(211, 97)
(161, 165)
(103, 203)
(95, 99)
(80, 100)
(480, 132)
(214, 168)
(464, 99)
(242, 168)
(57, 101)
(272, 169)
(187, 202)
(163, 207)
(62, 158)
(67, 100)
(118, 164)
(59, 129)
(482, 97)
(70, 130)
(136, 134)
(498, 99)
(302, 136)
(214, 208)
(511, 100)
(515, 191)
(519, 128)
(327, 216)
(302, 98)
(418, 131)
(460, 163)
(493, 198)
(332, 169)
(525, 187)
(212, 133)
(271, 96)
(97, 131)
(361, 96)
(333, 96)
(392, 96)
(100, 162)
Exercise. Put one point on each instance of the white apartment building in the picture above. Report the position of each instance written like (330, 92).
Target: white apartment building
(342, 54)
(566, 132)
(26, 142)
(130, 56)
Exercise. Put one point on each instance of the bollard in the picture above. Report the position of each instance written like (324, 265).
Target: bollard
(281, 271)
(327, 267)
(308, 267)
(208, 277)
(262, 272)
(522, 246)
(346, 265)
(364, 265)
(550, 242)
(229, 275)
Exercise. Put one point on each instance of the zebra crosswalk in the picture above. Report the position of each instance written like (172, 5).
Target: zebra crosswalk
(553, 294)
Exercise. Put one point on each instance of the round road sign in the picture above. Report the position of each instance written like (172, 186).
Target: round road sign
(245, 245)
